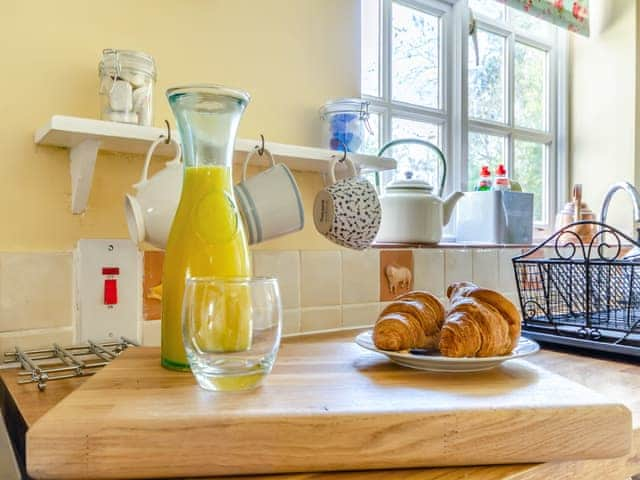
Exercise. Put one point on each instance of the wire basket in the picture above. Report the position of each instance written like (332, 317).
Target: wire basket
(582, 294)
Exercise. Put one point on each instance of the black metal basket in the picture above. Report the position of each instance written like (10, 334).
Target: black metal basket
(579, 294)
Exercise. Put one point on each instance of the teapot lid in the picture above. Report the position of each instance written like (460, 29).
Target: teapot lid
(409, 183)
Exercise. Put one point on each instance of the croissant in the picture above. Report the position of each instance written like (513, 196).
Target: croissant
(413, 320)
(480, 323)
(498, 301)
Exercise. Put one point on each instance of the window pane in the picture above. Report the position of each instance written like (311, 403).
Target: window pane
(414, 158)
(370, 47)
(371, 144)
(486, 80)
(530, 24)
(530, 170)
(488, 8)
(415, 57)
(530, 87)
(484, 150)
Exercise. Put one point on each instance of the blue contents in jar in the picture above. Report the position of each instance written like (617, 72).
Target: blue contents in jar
(345, 129)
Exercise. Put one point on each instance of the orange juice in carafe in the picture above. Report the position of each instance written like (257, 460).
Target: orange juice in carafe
(207, 238)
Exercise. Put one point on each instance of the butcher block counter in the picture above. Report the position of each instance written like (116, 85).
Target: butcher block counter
(515, 412)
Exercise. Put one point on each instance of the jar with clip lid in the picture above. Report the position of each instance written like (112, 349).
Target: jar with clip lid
(345, 122)
(127, 78)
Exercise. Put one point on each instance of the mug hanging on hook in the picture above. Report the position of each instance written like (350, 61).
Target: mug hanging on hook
(342, 170)
(270, 202)
(150, 210)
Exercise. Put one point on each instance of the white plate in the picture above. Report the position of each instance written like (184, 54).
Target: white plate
(435, 362)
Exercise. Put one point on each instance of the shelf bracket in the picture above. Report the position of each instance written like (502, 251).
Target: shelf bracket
(83, 161)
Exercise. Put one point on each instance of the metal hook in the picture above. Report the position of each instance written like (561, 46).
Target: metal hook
(261, 148)
(168, 140)
(344, 154)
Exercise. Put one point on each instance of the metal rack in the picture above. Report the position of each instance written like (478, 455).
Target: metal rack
(57, 363)
(582, 294)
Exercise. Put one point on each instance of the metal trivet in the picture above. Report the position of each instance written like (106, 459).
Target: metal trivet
(582, 294)
(57, 363)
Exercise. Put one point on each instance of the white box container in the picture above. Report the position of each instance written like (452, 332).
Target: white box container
(495, 217)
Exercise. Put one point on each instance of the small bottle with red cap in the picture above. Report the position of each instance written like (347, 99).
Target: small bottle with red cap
(484, 184)
(501, 181)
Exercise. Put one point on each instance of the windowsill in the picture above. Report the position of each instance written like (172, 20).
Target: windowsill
(469, 245)
(452, 245)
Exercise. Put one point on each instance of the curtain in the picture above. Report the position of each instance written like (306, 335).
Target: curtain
(570, 14)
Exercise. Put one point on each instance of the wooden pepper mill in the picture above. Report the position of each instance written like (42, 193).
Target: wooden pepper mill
(576, 211)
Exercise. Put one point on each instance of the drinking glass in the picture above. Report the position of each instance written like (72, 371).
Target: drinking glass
(231, 330)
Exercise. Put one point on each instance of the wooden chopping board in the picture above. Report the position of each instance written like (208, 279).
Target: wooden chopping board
(326, 406)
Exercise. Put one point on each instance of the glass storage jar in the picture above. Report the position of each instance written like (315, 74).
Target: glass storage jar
(345, 122)
(127, 79)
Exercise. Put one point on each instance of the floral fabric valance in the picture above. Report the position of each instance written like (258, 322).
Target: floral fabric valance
(570, 14)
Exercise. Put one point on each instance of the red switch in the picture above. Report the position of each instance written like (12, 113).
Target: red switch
(111, 292)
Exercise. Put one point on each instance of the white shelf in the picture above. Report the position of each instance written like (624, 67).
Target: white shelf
(84, 137)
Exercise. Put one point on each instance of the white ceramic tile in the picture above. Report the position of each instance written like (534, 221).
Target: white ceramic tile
(362, 315)
(506, 277)
(285, 266)
(458, 266)
(36, 290)
(428, 270)
(32, 339)
(485, 267)
(151, 333)
(291, 321)
(360, 276)
(320, 318)
(320, 278)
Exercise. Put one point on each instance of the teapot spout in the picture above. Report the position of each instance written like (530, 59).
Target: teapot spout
(448, 205)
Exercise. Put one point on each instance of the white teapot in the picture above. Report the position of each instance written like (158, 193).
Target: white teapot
(411, 213)
(151, 210)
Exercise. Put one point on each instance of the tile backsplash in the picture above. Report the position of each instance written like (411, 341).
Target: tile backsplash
(36, 299)
(321, 290)
(327, 290)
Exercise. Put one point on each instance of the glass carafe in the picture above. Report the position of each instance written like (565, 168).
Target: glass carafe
(207, 236)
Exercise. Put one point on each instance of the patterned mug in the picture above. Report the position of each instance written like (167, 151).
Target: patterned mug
(348, 212)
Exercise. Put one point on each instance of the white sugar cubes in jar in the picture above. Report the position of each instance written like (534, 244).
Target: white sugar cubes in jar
(127, 79)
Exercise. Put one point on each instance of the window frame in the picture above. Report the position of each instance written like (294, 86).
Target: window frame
(453, 117)
(389, 108)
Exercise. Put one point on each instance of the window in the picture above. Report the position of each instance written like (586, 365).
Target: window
(405, 75)
(499, 106)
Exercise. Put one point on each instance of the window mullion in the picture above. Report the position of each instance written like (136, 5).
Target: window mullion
(456, 131)
(511, 67)
(387, 28)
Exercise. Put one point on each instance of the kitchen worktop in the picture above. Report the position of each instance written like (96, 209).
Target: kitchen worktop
(616, 380)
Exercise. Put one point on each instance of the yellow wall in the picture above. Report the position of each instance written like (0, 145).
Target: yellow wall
(603, 106)
(291, 55)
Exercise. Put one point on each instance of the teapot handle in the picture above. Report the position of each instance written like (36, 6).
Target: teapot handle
(152, 148)
(424, 143)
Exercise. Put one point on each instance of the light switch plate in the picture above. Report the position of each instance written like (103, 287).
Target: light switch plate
(95, 320)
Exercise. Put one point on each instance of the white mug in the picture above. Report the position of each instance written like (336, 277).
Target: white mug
(348, 212)
(270, 202)
(150, 211)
